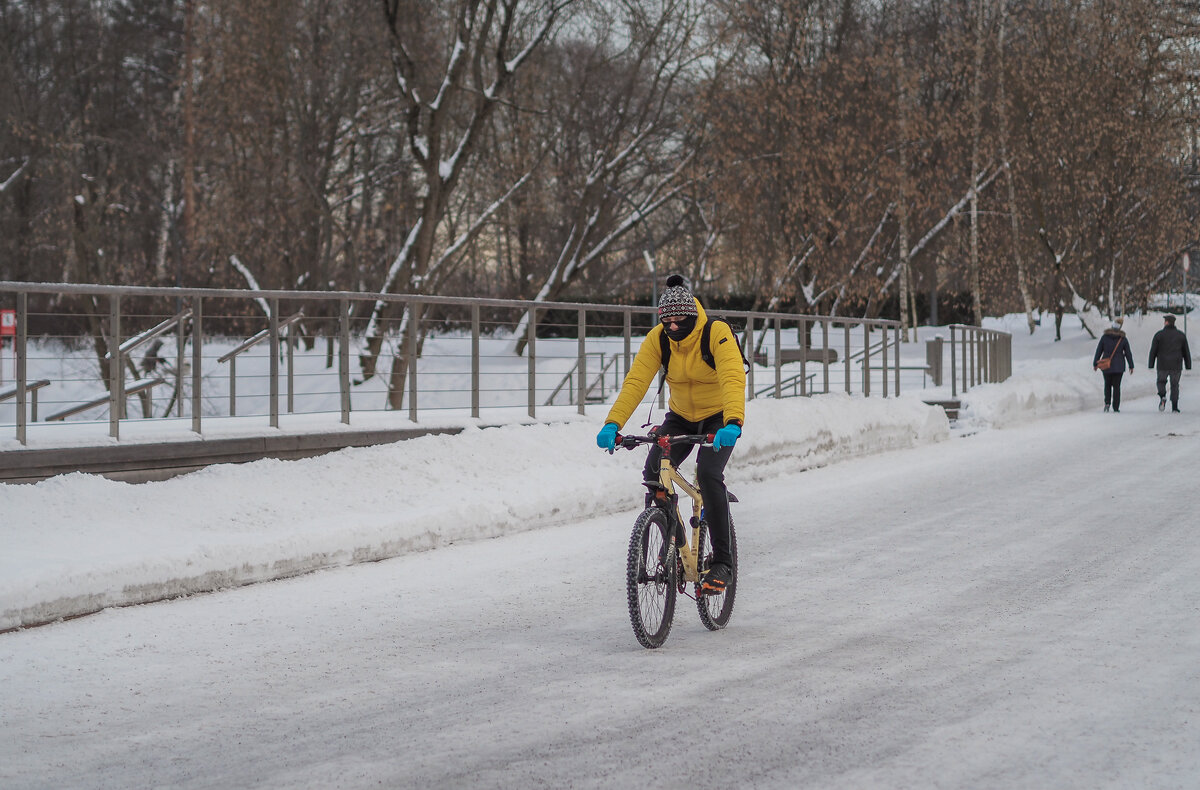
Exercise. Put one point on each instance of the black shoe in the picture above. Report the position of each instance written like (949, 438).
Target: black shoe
(1162, 404)
(1175, 409)
(716, 579)
(1106, 407)
(1116, 411)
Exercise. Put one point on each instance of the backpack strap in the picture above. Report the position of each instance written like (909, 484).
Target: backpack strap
(706, 353)
(706, 343)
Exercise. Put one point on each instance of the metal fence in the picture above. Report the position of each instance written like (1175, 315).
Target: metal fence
(430, 354)
(981, 356)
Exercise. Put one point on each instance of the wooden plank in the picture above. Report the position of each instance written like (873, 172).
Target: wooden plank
(790, 355)
(159, 460)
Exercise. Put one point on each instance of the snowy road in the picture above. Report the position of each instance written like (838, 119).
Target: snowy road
(1015, 609)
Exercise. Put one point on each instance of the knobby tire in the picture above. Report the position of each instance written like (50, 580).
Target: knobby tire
(715, 610)
(650, 585)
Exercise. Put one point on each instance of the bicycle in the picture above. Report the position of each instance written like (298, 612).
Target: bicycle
(662, 561)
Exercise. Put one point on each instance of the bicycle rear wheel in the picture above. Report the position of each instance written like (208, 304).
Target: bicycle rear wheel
(715, 610)
(650, 574)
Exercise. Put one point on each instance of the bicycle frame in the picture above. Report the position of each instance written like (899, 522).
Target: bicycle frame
(669, 477)
(667, 499)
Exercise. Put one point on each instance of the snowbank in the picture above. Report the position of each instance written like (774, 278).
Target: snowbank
(1046, 388)
(102, 543)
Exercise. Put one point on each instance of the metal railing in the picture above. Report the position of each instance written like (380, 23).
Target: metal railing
(985, 356)
(250, 343)
(559, 343)
(31, 388)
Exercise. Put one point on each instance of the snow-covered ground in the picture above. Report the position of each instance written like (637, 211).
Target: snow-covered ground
(77, 543)
(1011, 608)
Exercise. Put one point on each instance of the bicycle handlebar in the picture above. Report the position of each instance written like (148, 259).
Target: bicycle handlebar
(664, 441)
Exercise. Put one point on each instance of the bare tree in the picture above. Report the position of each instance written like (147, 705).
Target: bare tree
(452, 67)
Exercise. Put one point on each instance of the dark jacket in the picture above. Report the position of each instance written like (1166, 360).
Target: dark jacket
(1108, 342)
(1170, 349)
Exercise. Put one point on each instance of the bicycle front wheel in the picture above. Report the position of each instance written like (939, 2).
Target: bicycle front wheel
(715, 610)
(650, 574)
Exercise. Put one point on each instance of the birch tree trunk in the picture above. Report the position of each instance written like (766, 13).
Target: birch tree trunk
(976, 143)
(902, 201)
(1022, 275)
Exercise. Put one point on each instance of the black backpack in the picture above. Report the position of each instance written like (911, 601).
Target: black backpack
(705, 346)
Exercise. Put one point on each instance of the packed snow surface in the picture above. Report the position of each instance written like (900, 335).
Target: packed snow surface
(1010, 602)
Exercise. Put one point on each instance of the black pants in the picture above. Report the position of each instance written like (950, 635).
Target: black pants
(710, 472)
(1112, 388)
(1173, 375)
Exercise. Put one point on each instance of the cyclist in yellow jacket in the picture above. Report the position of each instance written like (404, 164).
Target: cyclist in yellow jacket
(706, 397)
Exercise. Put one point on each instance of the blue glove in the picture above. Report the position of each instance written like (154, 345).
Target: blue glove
(726, 437)
(607, 438)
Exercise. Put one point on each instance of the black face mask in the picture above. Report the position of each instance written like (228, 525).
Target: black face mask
(685, 328)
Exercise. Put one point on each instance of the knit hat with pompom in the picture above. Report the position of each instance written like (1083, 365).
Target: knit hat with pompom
(677, 299)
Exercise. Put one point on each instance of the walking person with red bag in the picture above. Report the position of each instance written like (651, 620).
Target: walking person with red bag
(1112, 352)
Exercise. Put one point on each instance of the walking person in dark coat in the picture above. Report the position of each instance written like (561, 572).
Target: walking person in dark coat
(1113, 346)
(1169, 350)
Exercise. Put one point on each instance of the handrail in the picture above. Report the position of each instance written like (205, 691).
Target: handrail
(570, 375)
(32, 388)
(857, 356)
(259, 337)
(231, 358)
(790, 381)
(599, 380)
(409, 305)
(141, 385)
(150, 334)
(9, 286)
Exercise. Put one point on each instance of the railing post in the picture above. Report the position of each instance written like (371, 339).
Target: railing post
(883, 358)
(179, 346)
(414, 330)
(897, 347)
(749, 351)
(291, 366)
(531, 348)
(197, 356)
(968, 359)
(116, 384)
(778, 359)
(628, 331)
(953, 365)
(933, 359)
(475, 360)
(866, 362)
(582, 363)
(273, 382)
(22, 351)
(846, 354)
(825, 353)
(804, 346)
(233, 386)
(344, 358)
(975, 342)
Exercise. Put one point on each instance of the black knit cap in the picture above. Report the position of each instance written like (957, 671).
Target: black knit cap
(677, 299)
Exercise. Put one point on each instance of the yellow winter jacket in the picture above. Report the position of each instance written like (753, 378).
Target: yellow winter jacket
(697, 391)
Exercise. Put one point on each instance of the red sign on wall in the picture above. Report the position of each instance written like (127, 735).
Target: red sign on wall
(8, 322)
